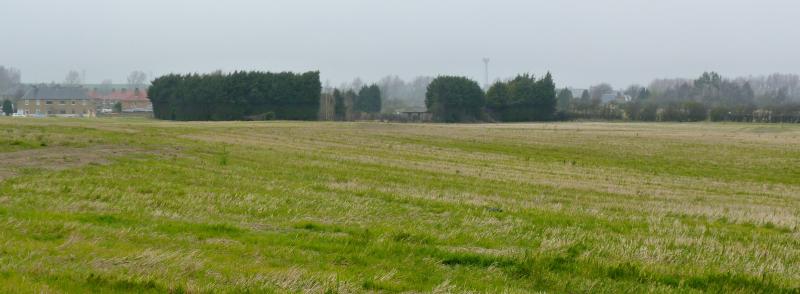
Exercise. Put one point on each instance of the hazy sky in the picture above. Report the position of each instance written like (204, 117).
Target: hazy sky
(581, 42)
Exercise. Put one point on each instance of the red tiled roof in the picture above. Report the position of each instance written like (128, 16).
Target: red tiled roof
(126, 95)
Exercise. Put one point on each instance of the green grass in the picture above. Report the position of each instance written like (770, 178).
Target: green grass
(369, 207)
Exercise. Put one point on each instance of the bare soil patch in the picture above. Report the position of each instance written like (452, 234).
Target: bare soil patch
(60, 158)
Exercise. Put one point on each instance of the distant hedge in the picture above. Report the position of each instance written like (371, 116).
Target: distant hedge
(236, 96)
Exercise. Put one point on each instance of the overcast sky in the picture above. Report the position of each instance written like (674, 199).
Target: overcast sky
(581, 42)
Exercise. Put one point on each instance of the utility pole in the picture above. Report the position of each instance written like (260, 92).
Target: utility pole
(486, 72)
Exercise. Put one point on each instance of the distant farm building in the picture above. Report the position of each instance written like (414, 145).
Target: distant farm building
(417, 114)
(615, 97)
(135, 100)
(55, 100)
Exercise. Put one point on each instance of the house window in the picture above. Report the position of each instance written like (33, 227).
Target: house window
(73, 102)
(48, 102)
(63, 112)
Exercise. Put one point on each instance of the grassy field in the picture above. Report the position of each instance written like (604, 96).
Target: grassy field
(136, 205)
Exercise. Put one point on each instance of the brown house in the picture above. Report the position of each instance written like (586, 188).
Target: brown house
(55, 100)
(131, 100)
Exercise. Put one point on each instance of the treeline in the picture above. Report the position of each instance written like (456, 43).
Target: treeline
(236, 96)
(707, 98)
(524, 98)
(348, 103)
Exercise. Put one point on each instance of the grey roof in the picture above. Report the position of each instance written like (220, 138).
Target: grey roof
(47, 92)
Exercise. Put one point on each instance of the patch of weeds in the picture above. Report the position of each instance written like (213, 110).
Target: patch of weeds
(358, 235)
(566, 261)
(405, 237)
(148, 286)
(49, 233)
(494, 209)
(527, 267)
(223, 158)
(623, 271)
(310, 226)
(773, 227)
(728, 282)
(201, 230)
(219, 229)
(472, 259)
(105, 220)
(380, 286)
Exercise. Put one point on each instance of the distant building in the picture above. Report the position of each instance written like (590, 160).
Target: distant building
(618, 97)
(131, 100)
(415, 114)
(56, 100)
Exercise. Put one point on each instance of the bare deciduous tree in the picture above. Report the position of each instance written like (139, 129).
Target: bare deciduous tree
(137, 79)
(9, 77)
(73, 78)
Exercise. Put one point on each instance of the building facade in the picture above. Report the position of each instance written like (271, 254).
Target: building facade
(55, 100)
(131, 100)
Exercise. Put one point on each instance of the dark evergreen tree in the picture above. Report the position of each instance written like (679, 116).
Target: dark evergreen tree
(497, 97)
(455, 99)
(339, 107)
(369, 99)
(564, 100)
(546, 98)
(8, 108)
(644, 93)
(523, 99)
(117, 107)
